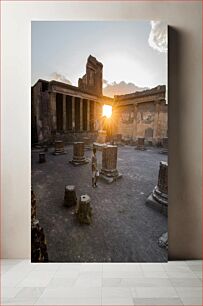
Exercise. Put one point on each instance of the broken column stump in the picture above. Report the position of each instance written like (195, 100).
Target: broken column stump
(78, 154)
(140, 144)
(109, 170)
(42, 157)
(165, 145)
(84, 211)
(38, 241)
(159, 195)
(59, 147)
(70, 198)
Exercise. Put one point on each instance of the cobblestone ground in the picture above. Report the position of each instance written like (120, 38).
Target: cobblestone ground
(124, 228)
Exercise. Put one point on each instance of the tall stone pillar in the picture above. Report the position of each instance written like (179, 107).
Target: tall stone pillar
(109, 164)
(135, 123)
(95, 116)
(64, 112)
(73, 113)
(53, 110)
(88, 115)
(159, 194)
(156, 122)
(81, 114)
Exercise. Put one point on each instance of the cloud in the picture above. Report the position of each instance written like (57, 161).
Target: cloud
(111, 89)
(158, 36)
(60, 77)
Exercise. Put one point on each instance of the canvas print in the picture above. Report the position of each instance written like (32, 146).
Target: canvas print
(99, 141)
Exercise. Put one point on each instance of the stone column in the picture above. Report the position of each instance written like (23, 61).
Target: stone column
(64, 112)
(53, 110)
(81, 114)
(84, 211)
(135, 123)
(160, 192)
(109, 164)
(88, 115)
(94, 117)
(156, 122)
(70, 198)
(163, 177)
(73, 113)
(78, 154)
(59, 147)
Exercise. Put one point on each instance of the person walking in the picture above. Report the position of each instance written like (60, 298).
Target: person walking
(94, 168)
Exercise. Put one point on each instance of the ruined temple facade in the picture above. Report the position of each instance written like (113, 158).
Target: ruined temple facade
(72, 113)
(68, 112)
(142, 114)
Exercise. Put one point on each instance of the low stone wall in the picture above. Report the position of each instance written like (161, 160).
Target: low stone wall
(70, 137)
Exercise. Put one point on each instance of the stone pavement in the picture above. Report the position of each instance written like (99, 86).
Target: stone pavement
(124, 228)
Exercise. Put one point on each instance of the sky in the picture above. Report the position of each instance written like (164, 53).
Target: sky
(133, 53)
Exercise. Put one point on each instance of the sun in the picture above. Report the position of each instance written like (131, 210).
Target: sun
(107, 111)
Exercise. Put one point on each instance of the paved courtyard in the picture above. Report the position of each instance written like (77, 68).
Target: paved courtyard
(124, 228)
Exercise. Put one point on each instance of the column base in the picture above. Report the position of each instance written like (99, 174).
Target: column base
(158, 199)
(76, 161)
(59, 153)
(110, 176)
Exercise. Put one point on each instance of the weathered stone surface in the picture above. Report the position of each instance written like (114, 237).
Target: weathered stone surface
(33, 206)
(163, 240)
(140, 144)
(99, 146)
(59, 147)
(109, 164)
(87, 143)
(113, 235)
(70, 198)
(139, 114)
(92, 80)
(38, 241)
(159, 194)
(84, 211)
(165, 145)
(78, 154)
(142, 114)
(101, 138)
(42, 157)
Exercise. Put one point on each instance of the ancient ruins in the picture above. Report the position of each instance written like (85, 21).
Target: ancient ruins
(159, 195)
(110, 223)
(64, 112)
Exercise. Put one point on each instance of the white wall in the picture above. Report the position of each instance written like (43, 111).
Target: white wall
(184, 112)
